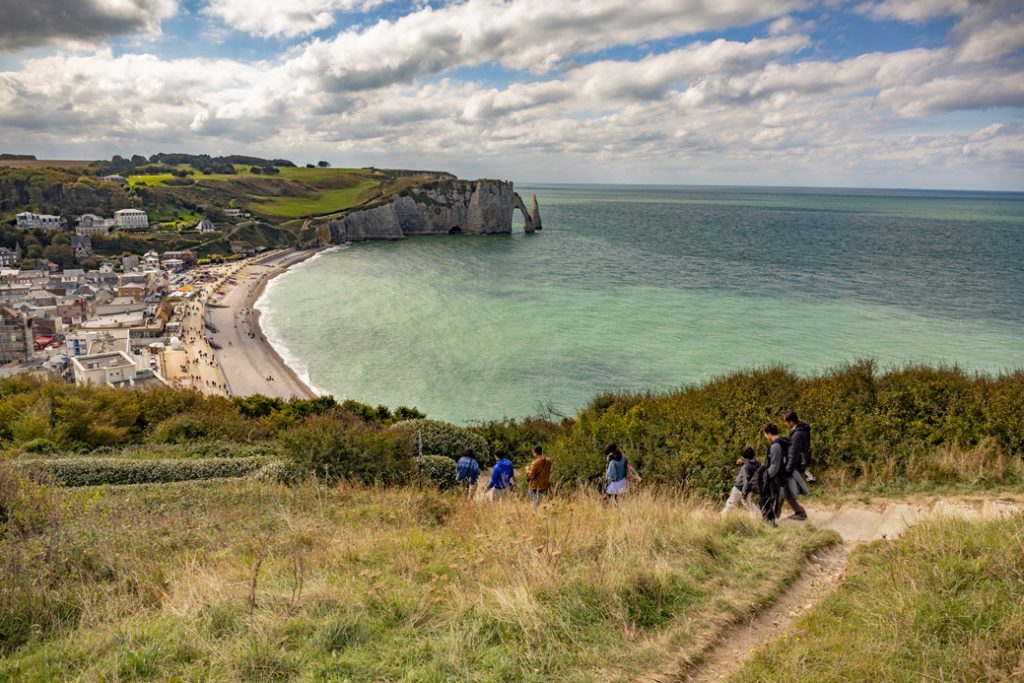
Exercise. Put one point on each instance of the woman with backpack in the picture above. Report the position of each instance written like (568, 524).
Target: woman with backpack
(616, 472)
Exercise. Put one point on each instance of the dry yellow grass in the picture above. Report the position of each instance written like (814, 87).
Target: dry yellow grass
(244, 580)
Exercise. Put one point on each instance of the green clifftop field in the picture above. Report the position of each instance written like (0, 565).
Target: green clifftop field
(177, 190)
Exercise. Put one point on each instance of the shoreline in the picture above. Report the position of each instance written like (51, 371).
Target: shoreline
(254, 315)
(249, 362)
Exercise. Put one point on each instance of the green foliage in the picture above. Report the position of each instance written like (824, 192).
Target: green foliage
(518, 437)
(43, 446)
(334, 448)
(443, 438)
(26, 507)
(437, 469)
(98, 471)
(865, 424)
(941, 603)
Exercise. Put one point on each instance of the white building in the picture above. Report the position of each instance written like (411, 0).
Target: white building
(151, 260)
(206, 226)
(131, 219)
(90, 224)
(113, 368)
(41, 221)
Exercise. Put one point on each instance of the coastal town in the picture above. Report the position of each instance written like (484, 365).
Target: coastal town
(141, 320)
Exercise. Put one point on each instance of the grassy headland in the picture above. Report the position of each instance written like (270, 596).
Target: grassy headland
(942, 603)
(244, 580)
(177, 190)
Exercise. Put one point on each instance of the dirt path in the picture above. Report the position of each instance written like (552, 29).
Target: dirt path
(855, 523)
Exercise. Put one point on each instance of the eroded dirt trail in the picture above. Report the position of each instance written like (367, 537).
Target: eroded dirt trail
(855, 523)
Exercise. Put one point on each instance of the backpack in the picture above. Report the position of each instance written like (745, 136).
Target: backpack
(787, 462)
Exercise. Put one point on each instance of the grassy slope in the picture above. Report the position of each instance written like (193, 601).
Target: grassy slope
(943, 603)
(153, 582)
(291, 193)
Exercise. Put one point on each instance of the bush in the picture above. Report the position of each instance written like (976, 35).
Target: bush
(26, 507)
(278, 472)
(442, 438)
(98, 471)
(439, 470)
(333, 449)
(39, 446)
(866, 424)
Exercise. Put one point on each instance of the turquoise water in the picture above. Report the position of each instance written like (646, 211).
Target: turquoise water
(652, 287)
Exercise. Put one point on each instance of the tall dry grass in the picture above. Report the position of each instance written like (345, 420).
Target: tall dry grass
(252, 581)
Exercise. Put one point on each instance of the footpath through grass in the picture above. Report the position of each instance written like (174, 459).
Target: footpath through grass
(249, 581)
(943, 603)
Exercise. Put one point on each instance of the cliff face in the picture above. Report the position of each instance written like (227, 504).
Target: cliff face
(476, 207)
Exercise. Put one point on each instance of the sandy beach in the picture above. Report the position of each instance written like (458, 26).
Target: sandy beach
(250, 365)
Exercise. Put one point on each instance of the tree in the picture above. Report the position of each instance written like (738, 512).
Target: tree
(61, 254)
(323, 164)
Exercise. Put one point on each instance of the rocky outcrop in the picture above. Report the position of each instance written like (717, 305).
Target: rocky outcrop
(444, 207)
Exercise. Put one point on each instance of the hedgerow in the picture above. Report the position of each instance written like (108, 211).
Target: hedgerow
(85, 471)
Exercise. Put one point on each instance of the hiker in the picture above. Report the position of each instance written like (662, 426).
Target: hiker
(467, 471)
(800, 444)
(616, 472)
(501, 477)
(538, 474)
(781, 471)
(749, 466)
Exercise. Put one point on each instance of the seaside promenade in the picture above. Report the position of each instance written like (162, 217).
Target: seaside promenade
(249, 363)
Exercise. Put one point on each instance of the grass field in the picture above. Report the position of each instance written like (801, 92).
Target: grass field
(324, 202)
(247, 581)
(944, 603)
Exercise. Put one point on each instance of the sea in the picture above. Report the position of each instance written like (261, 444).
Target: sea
(648, 288)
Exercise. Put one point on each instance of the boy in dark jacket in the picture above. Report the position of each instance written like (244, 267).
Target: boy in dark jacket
(749, 465)
(800, 438)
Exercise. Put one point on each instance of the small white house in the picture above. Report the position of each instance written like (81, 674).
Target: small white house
(206, 225)
(131, 219)
(40, 221)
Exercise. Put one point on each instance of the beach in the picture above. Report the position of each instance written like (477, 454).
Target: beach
(249, 363)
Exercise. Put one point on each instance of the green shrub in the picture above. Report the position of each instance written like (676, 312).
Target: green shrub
(206, 425)
(26, 507)
(443, 438)
(278, 472)
(868, 424)
(39, 446)
(97, 471)
(437, 469)
(332, 449)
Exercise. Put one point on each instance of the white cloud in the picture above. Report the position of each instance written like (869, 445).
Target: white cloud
(716, 106)
(290, 18)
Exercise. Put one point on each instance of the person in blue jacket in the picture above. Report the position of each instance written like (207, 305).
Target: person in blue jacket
(501, 477)
(467, 471)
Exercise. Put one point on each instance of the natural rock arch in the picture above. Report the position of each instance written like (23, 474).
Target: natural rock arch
(531, 217)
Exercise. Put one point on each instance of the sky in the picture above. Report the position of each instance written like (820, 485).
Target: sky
(858, 93)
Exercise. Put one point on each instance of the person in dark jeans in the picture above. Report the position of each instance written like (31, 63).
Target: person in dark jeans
(781, 471)
(800, 444)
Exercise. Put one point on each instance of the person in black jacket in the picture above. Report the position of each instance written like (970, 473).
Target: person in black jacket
(800, 448)
(749, 465)
(781, 471)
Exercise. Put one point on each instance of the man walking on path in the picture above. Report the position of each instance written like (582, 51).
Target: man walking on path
(538, 474)
(800, 444)
(467, 471)
(780, 471)
(501, 477)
